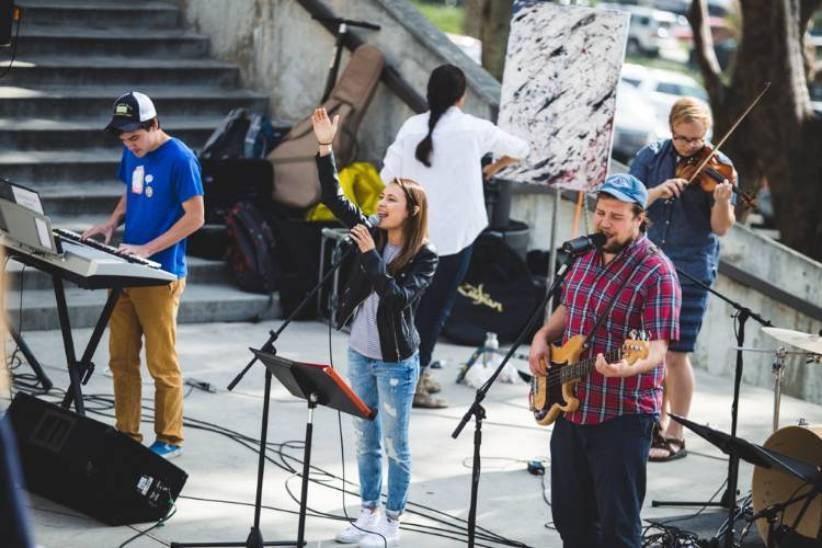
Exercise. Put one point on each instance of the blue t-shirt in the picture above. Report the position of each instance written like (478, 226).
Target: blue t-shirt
(680, 227)
(156, 187)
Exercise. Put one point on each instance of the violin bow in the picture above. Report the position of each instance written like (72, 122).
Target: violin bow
(729, 132)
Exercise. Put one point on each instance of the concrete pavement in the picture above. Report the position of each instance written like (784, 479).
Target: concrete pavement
(511, 502)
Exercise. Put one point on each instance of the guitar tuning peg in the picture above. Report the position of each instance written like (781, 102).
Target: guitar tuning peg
(632, 334)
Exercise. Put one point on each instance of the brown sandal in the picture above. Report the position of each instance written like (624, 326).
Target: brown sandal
(674, 447)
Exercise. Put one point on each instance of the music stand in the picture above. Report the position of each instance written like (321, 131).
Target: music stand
(759, 456)
(317, 385)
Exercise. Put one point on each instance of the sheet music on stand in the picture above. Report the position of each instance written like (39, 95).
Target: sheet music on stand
(304, 379)
(21, 195)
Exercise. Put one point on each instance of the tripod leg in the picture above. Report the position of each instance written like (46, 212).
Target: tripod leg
(255, 536)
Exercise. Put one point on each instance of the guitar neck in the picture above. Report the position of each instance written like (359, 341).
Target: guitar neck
(576, 371)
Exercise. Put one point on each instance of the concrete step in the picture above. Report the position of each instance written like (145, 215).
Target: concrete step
(80, 39)
(83, 102)
(72, 165)
(128, 72)
(102, 14)
(200, 271)
(57, 134)
(200, 303)
(66, 200)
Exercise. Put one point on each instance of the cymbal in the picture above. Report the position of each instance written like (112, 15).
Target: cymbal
(805, 341)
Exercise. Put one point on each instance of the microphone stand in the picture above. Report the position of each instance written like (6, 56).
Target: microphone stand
(478, 411)
(255, 537)
(274, 335)
(743, 313)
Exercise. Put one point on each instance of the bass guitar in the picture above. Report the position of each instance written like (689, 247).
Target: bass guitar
(555, 393)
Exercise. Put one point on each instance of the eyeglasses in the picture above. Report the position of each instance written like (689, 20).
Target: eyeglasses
(689, 140)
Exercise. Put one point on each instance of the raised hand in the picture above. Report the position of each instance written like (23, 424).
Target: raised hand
(324, 127)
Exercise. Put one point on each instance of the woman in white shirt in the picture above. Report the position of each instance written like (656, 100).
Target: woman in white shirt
(442, 149)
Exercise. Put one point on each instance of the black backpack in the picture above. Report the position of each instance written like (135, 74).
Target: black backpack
(251, 250)
(242, 134)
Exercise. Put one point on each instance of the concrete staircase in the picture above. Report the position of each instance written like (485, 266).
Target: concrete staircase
(73, 59)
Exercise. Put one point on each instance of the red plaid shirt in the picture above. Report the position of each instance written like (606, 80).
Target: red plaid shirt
(649, 301)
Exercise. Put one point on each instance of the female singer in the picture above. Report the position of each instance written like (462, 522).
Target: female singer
(394, 267)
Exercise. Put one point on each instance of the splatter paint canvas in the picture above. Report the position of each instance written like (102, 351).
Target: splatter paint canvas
(559, 91)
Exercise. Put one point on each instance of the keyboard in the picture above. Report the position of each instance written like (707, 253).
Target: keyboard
(72, 236)
(90, 264)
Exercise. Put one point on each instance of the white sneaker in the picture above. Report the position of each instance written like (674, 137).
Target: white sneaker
(367, 521)
(385, 534)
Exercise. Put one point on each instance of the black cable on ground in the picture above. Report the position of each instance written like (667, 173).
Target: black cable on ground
(277, 453)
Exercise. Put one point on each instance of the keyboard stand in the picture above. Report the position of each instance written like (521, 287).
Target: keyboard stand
(80, 371)
(42, 378)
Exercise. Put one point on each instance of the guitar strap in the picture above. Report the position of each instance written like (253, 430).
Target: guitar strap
(653, 250)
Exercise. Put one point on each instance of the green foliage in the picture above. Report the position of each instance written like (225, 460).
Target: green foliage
(445, 18)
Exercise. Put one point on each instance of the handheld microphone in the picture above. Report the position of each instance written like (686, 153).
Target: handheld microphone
(583, 244)
(343, 234)
(338, 234)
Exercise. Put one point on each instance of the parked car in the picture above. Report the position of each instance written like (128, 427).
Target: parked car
(635, 123)
(661, 88)
(652, 32)
(723, 34)
(719, 8)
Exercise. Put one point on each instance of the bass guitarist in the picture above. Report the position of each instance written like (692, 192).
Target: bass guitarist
(599, 452)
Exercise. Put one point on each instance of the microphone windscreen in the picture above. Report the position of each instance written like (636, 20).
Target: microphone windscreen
(373, 220)
(598, 239)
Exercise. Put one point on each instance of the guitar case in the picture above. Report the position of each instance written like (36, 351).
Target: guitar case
(296, 183)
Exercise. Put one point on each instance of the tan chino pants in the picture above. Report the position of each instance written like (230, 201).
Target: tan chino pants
(149, 312)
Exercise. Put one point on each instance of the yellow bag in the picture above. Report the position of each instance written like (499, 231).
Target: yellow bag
(361, 184)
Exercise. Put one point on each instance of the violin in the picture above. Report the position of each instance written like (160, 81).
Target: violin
(705, 169)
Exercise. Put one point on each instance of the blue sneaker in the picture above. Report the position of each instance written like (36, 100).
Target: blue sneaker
(166, 450)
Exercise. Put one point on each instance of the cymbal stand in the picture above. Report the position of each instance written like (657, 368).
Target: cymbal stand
(777, 367)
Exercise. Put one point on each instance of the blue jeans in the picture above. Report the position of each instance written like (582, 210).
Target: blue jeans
(598, 481)
(438, 300)
(389, 388)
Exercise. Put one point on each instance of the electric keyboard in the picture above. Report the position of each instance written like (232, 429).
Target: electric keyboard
(72, 236)
(90, 264)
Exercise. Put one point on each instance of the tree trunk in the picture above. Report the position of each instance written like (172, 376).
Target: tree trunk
(780, 138)
(473, 18)
(494, 30)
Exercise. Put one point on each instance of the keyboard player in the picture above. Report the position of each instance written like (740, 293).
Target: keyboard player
(161, 206)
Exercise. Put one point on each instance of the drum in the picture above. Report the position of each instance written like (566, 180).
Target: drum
(771, 486)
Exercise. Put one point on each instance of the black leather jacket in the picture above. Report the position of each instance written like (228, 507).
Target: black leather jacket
(399, 295)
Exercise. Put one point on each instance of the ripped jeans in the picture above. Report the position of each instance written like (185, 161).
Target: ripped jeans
(388, 387)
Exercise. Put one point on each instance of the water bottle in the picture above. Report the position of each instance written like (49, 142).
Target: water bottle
(479, 374)
(490, 358)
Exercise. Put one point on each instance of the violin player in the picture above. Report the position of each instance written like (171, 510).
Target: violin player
(686, 223)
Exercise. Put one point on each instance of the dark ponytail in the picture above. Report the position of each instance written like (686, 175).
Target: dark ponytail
(445, 87)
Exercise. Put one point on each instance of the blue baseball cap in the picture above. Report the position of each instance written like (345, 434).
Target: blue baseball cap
(625, 188)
